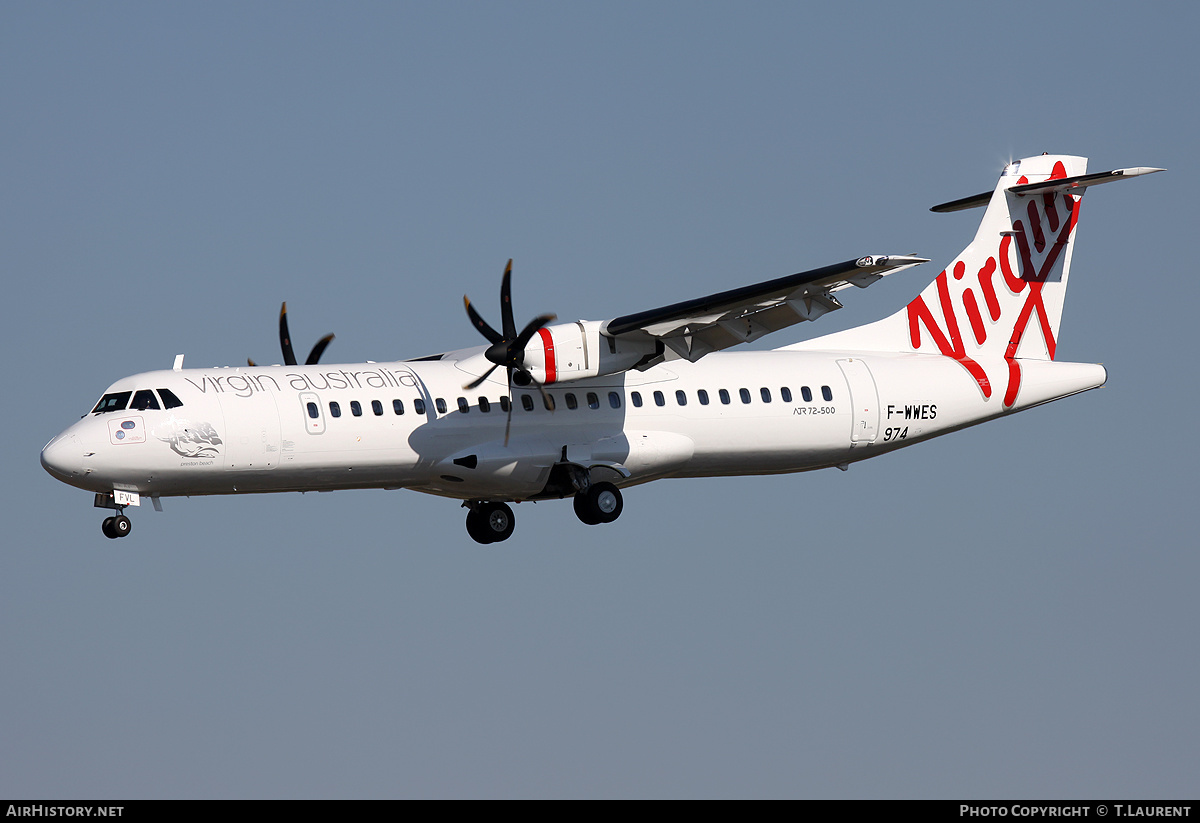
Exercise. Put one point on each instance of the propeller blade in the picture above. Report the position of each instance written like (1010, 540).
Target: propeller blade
(506, 310)
(250, 362)
(479, 323)
(285, 340)
(530, 330)
(546, 398)
(318, 350)
(508, 420)
(479, 380)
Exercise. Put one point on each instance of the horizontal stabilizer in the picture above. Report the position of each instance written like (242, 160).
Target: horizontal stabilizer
(975, 201)
(1063, 184)
(1082, 181)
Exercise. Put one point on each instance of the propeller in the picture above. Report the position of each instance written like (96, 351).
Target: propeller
(507, 348)
(285, 343)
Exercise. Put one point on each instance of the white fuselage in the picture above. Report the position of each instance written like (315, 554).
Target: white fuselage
(324, 427)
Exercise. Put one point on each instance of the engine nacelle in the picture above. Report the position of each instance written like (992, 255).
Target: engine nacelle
(575, 351)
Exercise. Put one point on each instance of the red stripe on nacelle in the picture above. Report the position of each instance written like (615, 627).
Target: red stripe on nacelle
(548, 346)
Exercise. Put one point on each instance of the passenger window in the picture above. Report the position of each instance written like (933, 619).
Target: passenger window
(744, 394)
(419, 405)
(572, 403)
(356, 408)
(636, 397)
(463, 405)
(614, 400)
(724, 397)
(681, 397)
(806, 393)
(440, 404)
(144, 399)
(786, 394)
(659, 400)
(334, 409)
(827, 393)
(398, 406)
(548, 401)
(377, 407)
(527, 402)
(505, 404)
(313, 411)
(765, 393)
(593, 400)
(170, 401)
(484, 405)
(702, 396)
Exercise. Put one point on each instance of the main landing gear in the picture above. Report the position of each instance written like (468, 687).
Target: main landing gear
(118, 526)
(599, 503)
(490, 522)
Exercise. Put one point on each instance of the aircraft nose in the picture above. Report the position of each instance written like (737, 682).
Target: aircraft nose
(63, 457)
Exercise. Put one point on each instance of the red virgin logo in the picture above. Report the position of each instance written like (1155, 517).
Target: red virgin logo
(1040, 239)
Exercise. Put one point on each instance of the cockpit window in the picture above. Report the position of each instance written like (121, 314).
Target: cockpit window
(144, 399)
(117, 401)
(170, 401)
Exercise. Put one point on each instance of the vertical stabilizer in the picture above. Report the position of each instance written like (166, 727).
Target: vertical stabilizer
(1001, 299)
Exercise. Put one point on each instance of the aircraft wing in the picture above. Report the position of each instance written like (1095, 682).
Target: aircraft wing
(696, 327)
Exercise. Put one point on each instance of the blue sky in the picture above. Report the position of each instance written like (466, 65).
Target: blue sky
(1007, 611)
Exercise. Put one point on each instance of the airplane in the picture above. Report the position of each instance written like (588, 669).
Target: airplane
(586, 409)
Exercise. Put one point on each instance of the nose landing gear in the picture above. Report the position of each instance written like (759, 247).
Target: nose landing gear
(114, 527)
(118, 525)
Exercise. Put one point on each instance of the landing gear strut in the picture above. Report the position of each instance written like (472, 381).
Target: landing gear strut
(114, 527)
(490, 522)
(601, 503)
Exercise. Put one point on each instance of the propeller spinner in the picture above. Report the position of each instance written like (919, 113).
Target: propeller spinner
(285, 343)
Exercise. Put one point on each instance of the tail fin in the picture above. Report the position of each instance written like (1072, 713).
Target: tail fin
(1002, 296)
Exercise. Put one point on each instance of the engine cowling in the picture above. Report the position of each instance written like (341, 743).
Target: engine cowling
(575, 351)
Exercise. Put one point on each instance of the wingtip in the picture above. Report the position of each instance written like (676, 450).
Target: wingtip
(1138, 171)
(896, 260)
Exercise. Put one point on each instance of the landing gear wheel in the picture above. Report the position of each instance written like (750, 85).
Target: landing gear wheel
(601, 503)
(583, 512)
(477, 528)
(121, 525)
(114, 527)
(490, 523)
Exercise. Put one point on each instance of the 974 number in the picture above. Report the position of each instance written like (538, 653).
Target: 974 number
(895, 434)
